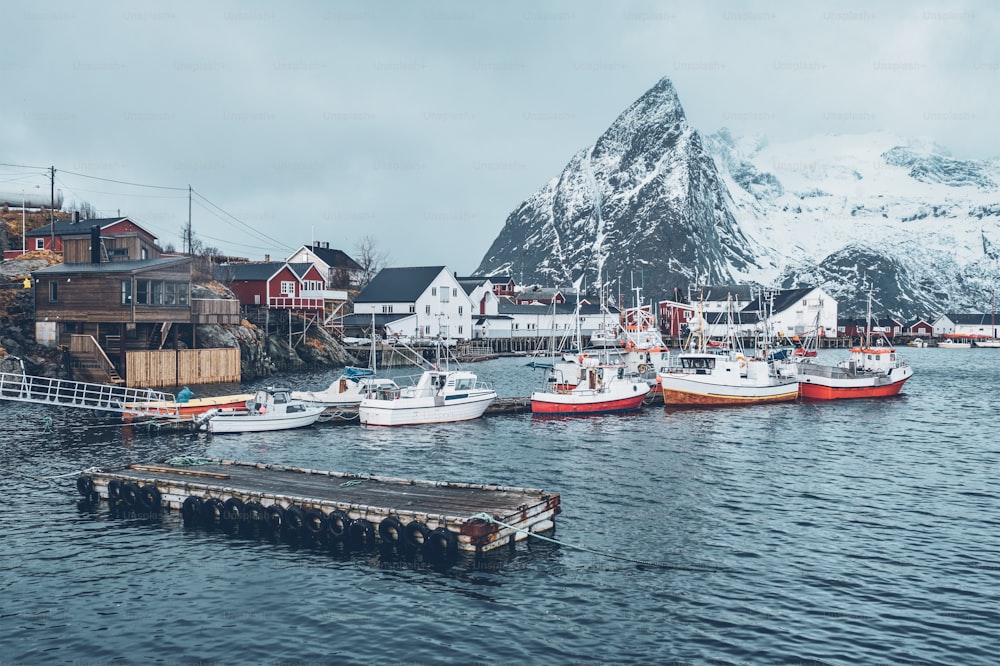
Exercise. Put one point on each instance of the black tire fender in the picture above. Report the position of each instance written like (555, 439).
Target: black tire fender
(191, 509)
(314, 521)
(361, 533)
(253, 513)
(85, 485)
(274, 517)
(114, 490)
(212, 510)
(233, 511)
(295, 519)
(337, 523)
(132, 495)
(416, 535)
(150, 498)
(390, 530)
(443, 543)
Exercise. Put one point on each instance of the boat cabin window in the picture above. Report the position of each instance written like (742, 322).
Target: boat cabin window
(463, 384)
(280, 398)
(698, 362)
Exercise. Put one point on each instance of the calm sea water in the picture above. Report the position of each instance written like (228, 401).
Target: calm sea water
(843, 533)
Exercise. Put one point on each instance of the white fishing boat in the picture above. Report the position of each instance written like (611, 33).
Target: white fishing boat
(269, 409)
(347, 391)
(605, 388)
(437, 396)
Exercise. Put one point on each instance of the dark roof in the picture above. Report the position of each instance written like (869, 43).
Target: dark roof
(915, 322)
(971, 319)
(334, 258)
(112, 266)
(743, 292)
(69, 227)
(506, 307)
(469, 284)
(399, 285)
(257, 270)
(783, 299)
(365, 320)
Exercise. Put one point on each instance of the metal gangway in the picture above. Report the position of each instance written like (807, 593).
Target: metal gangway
(102, 397)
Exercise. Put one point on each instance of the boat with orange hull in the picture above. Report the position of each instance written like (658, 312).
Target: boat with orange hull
(715, 380)
(873, 370)
(605, 388)
(196, 406)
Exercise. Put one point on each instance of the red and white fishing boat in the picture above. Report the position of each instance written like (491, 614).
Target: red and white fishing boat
(873, 370)
(605, 388)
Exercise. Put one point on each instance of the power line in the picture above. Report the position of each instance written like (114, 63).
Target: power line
(124, 182)
(246, 226)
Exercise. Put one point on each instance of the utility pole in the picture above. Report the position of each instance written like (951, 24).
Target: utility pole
(187, 232)
(52, 205)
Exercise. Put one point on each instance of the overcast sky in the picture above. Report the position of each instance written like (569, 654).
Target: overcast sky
(425, 124)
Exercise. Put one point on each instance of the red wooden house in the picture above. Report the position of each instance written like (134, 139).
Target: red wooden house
(919, 327)
(275, 284)
(502, 287)
(676, 318)
(123, 230)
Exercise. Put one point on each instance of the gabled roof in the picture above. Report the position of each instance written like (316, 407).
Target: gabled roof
(721, 292)
(971, 319)
(470, 284)
(917, 322)
(112, 266)
(506, 307)
(69, 227)
(783, 299)
(399, 285)
(334, 258)
(257, 271)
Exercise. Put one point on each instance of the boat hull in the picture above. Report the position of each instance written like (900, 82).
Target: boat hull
(224, 422)
(421, 411)
(595, 403)
(196, 406)
(814, 391)
(684, 392)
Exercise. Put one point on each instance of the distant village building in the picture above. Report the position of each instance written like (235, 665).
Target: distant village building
(339, 270)
(971, 325)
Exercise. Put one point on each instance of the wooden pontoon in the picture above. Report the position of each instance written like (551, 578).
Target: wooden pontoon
(336, 504)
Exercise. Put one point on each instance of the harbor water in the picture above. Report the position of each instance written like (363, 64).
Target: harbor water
(840, 533)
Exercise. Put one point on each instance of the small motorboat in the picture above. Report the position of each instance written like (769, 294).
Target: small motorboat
(269, 409)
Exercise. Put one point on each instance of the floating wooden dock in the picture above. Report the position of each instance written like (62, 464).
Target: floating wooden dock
(438, 518)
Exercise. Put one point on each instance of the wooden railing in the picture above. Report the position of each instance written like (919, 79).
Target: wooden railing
(85, 351)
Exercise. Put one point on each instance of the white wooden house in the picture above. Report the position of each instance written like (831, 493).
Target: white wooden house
(425, 302)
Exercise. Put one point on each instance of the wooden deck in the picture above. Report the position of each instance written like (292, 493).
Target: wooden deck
(431, 504)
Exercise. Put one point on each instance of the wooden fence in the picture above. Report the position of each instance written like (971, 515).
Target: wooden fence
(150, 369)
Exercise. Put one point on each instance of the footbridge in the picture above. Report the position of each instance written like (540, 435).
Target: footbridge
(101, 397)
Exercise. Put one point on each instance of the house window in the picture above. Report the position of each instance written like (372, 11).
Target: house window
(454, 292)
(427, 309)
(126, 292)
(460, 330)
(427, 330)
(460, 309)
(170, 293)
(444, 331)
(444, 294)
(413, 309)
(434, 291)
(53, 292)
(39, 243)
(287, 288)
(182, 293)
(142, 292)
(156, 293)
(386, 309)
(144, 253)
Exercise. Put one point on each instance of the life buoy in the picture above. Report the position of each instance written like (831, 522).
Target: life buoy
(361, 533)
(337, 523)
(742, 360)
(416, 535)
(313, 521)
(390, 531)
(629, 346)
(643, 367)
(442, 544)
(191, 509)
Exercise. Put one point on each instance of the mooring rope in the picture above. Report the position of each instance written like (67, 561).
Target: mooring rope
(182, 461)
(88, 470)
(603, 553)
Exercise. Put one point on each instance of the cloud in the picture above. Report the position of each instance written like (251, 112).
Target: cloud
(424, 126)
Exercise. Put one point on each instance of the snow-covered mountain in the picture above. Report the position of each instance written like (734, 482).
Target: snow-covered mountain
(653, 195)
(646, 197)
(840, 211)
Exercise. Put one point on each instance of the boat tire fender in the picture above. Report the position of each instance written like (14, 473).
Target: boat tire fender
(337, 523)
(390, 530)
(150, 498)
(85, 485)
(313, 521)
(191, 509)
(361, 533)
(253, 513)
(274, 517)
(114, 490)
(132, 495)
(233, 511)
(213, 511)
(443, 543)
(416, 535)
